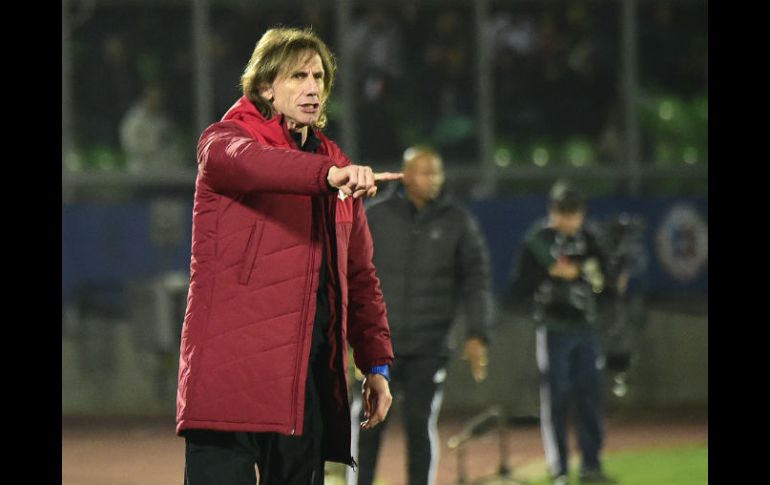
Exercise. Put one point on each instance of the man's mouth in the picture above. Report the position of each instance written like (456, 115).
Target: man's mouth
(310, 108)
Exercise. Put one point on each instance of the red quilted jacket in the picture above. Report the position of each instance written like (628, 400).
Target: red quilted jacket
(262, 211)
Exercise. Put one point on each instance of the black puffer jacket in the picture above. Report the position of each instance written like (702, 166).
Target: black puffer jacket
(429, 262)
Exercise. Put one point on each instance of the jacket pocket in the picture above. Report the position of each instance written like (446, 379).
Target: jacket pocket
(252, 248)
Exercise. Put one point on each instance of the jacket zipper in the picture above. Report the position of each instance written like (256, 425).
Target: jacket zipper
(308, 282)
(413, 238)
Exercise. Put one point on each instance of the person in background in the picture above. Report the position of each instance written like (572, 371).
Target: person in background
(562, 269)
(431, 256)
(281, 278)
(148, 137)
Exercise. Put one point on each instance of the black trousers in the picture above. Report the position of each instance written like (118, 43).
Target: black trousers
(419, 381)
(229, 458)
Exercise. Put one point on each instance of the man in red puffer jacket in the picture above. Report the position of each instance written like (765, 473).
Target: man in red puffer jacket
(281, 278)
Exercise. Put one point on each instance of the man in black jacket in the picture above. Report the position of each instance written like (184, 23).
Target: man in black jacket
(563, 269)
(430, 256)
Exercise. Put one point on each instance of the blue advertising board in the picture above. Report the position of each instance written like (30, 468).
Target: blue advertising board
(111, 245)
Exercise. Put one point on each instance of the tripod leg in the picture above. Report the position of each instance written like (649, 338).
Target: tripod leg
(502, 437)
(461, 475)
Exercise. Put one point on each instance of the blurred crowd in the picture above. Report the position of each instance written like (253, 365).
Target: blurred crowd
(555, 74)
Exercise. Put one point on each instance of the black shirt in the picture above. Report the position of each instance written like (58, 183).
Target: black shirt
(321, 324)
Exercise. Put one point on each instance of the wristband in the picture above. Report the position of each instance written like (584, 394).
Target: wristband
(383, 370)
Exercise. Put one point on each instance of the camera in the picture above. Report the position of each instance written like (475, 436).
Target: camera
(623, 241)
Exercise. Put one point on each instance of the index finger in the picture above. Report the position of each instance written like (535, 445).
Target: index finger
(383, 176)
(373, 421)
(381, 410)
(371, 413)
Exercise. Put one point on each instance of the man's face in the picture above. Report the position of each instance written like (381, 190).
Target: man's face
(424, 177)
(567, 223)
(298, 89)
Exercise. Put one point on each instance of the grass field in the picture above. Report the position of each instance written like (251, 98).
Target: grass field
(660, 466)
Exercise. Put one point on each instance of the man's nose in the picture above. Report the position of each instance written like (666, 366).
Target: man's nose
(312, 86)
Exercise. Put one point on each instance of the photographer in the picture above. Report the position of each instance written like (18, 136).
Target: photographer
(563, 268)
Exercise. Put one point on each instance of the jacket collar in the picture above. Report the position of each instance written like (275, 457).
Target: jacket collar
(273, 130)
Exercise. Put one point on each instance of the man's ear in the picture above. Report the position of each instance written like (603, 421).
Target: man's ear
(267, 93)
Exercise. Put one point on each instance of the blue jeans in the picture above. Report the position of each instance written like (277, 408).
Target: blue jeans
(570, 374)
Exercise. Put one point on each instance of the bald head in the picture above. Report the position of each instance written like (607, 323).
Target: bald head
(423, 174)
